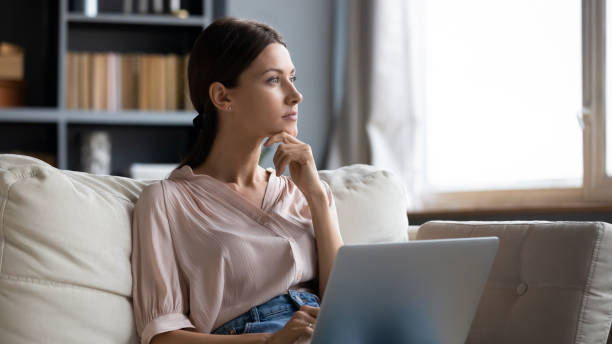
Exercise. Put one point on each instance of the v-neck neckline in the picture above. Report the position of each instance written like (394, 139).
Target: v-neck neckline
(233, 194)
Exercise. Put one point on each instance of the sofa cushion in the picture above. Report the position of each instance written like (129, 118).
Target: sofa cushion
(65, 245)
(371, 204)
(551, 282)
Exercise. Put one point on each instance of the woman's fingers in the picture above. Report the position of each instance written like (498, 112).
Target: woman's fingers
(283, 136)
(285, 154)
(312, 311)
(302, 322)
(299, 328)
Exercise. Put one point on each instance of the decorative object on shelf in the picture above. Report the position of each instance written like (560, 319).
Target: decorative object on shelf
(176, 10)
(12, 86)
(11, 61)
(96, 152)
(158, 6)
(91, 8)
(87, 7)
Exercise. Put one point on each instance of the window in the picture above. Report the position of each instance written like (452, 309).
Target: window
(503, 87)
(507, 86)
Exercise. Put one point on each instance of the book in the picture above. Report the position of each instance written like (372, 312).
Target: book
(84, 90)
(180, 82)
(127, 6)
(158, 6)
(171, 82)
(129, 81)
(143, 82)
(157, 86)
(99, 80)
(72, 80)
(143, 6)
(113, 86)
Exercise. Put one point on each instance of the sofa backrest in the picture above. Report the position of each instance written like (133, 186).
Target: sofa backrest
(65, 245)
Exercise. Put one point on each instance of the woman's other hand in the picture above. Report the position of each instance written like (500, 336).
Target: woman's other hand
(298, 329)
(298, 156)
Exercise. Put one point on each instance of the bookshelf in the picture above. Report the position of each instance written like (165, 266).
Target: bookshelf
(136, 135)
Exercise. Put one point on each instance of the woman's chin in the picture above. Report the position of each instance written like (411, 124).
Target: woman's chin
(293, 130)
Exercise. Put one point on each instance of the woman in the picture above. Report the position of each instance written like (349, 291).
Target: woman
(223, 246)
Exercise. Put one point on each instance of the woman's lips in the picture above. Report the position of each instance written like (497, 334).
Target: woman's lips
(291, 117)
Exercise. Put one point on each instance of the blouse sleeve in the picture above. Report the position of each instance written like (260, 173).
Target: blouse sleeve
(160, 293)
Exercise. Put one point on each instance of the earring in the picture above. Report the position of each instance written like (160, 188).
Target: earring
(229, 108)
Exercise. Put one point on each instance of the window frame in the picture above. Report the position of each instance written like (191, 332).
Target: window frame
(596, 186)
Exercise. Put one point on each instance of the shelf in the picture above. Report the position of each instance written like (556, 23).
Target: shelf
(125, 117)
(38, 115)
(144, 19)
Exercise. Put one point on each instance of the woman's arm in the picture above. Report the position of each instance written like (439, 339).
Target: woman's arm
(191, 337)
(297, 329)
(326, 233)
(298, 156)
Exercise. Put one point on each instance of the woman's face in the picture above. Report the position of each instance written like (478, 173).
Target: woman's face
(266, 94)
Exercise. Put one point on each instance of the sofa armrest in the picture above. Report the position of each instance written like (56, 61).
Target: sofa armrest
(550, 282)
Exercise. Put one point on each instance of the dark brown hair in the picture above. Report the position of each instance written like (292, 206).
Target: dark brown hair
(221, 53)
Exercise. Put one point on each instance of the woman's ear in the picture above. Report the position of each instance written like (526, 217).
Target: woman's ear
(219, 95)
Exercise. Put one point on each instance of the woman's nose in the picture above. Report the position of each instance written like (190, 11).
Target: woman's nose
(294, 97)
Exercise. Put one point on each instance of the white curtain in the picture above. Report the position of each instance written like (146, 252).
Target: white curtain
(378, 120)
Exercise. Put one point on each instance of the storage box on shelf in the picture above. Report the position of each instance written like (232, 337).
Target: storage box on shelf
(11, 75)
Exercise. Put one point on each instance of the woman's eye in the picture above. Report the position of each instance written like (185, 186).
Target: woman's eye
(277, 79)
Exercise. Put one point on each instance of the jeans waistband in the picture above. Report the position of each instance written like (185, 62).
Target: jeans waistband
(289, 302)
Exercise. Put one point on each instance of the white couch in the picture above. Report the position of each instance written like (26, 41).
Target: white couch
(65, 247)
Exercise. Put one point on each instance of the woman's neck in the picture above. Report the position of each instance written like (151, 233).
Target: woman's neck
(235, 160)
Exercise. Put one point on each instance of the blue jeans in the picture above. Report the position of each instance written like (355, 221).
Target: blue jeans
(270, 316)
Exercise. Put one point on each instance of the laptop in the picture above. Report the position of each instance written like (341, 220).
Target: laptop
(410, 292)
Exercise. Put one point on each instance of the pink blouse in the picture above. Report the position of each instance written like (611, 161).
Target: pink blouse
(203, 254)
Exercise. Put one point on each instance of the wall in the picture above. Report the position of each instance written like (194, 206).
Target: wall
(307, 28)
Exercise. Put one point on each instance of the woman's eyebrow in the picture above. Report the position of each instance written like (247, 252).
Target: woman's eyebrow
(277, 70)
